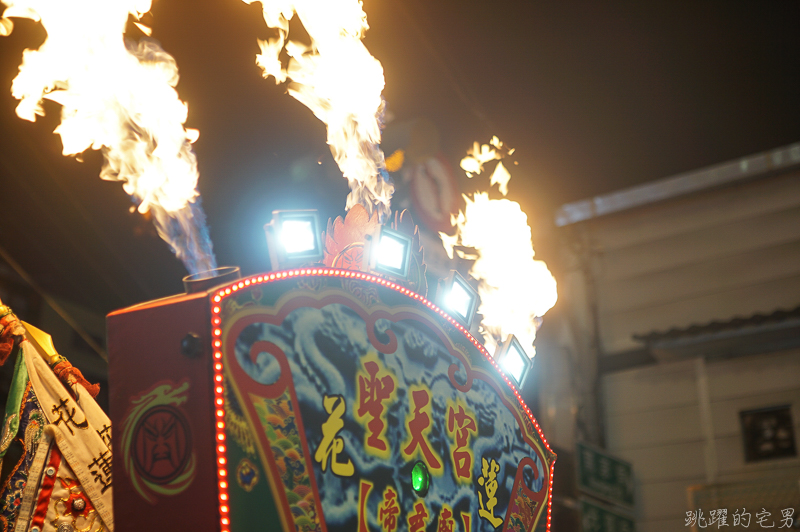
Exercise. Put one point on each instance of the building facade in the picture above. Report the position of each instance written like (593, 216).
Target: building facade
(676, 342)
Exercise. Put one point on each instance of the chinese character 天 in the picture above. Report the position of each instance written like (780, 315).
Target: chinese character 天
(418, 425)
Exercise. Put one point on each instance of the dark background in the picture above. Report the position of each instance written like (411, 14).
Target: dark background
(594, 96)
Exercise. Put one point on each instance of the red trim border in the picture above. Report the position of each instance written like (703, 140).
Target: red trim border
(219, 399)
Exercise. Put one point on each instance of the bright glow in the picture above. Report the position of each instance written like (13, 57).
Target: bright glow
(514, 363)
(336, 77)
(459, 299)
(515, 289)
(117, 96)
(420, 479)
(391, 252)
(297, 236)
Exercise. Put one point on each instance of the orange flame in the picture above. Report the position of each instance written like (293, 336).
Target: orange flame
(118, 97)
(337, 78)
(515, 289)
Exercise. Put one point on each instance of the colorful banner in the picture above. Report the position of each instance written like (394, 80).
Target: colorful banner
(335, 389)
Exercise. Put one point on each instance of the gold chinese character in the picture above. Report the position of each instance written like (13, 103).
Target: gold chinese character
(331, 444)
(488, 480)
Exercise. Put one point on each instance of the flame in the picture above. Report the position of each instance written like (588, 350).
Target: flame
(515, 289)
(337, 78)
(117, 96)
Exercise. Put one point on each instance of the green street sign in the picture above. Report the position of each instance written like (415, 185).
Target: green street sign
(604, 476)
(600, 518)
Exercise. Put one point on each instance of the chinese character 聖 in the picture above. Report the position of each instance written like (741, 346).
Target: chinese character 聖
(372, 391)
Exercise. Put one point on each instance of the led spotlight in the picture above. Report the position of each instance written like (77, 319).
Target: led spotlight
(513, 360)
(293, 238)
(389, 253)
(458, 297)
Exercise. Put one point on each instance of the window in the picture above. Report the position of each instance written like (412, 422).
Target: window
(768, 433)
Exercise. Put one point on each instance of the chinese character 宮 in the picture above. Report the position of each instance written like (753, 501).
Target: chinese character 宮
(331, 444)
(488, 480)
(417, 427)
(388, 510)
(417, 520)
(788, 521)
(742, 519)
(67, 417)
(459, 425)
(100, 468)
(446, 522)
(761, 518)
(372, 391)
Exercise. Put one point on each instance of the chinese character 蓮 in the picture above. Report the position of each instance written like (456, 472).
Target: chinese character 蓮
(100, 468)
(488, 480)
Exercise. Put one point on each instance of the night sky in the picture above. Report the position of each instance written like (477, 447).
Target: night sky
(595, 97)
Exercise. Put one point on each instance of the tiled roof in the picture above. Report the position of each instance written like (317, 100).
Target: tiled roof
(714, 327)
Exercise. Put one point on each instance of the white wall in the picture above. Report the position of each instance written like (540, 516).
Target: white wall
(710, 256)
(654, 417)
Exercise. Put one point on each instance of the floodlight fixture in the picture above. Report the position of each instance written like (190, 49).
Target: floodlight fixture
(513, 360)
(293, 238)
(389, 253)
(458, 297)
